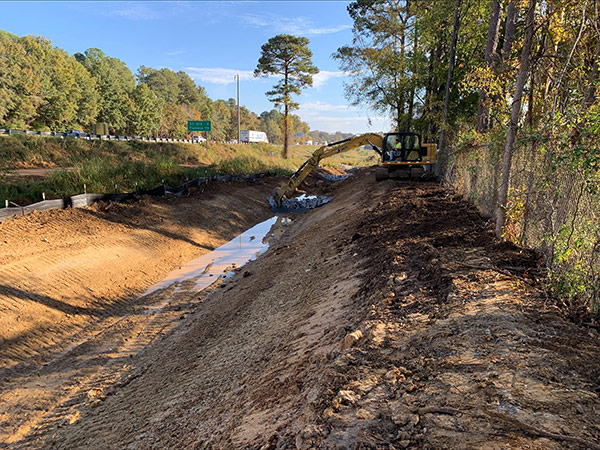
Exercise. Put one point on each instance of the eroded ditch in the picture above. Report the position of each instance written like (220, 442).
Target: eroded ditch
(103, 360)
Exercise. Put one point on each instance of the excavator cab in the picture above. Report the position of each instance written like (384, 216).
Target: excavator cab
(404, 154)
(403, 147)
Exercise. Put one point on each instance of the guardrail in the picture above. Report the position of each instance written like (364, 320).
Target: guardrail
(97, 137)
(81, 200)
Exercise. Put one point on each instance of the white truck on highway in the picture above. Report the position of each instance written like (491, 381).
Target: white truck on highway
(249, 136)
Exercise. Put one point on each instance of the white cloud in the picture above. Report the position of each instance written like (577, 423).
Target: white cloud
(317, 107)
(356, 125)
(319, 31)
(298, 26)
(331, 118)
(218, 75)
(328, 117)
(322, 77)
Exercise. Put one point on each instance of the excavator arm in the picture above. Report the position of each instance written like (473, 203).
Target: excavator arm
(287, 190)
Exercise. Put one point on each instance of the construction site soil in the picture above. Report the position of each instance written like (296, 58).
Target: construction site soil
(387, 318)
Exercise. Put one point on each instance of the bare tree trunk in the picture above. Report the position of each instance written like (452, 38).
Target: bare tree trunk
(401, 114)
(483, 109)
(286, 133)
(409, 116)
(514, 119)
(531, 160)
(442, 161)
(431, 93)
(591, 91)
(551, 50)
(509, 30)
(286, 123)
(411, 98)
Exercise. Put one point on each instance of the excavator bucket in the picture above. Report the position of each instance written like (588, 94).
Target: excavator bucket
(301, 203)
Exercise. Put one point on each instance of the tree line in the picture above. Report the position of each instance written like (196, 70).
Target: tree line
(42, 87)
(451, 68)
(509, 89)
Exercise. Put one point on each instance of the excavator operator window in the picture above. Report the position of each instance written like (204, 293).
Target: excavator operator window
(412, 147)
(393, 146)
(403, 147)
(411, 142)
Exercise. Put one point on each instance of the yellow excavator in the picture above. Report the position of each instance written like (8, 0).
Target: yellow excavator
(402, 153)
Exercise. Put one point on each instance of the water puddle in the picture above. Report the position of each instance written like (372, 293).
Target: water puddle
(222, 261)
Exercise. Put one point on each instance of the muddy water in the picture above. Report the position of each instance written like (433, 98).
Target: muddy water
(206, 269)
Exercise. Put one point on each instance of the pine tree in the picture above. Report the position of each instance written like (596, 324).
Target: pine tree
(290, 57)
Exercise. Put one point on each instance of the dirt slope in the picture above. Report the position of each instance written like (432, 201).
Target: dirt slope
(67, 276)
(388, 318)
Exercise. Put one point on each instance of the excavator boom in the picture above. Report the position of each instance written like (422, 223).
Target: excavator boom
(375, 140)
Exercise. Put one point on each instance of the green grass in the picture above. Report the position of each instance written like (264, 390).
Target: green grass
(103, 176)
(100, 165)
(21, 151)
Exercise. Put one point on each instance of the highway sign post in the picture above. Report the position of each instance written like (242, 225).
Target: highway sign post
(200, 125)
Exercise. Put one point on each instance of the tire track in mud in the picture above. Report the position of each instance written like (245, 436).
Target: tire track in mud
(98, 364)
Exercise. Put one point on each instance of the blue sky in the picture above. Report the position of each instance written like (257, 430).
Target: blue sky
(211, 41)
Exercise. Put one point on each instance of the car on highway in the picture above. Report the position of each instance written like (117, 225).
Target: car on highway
(76, 134)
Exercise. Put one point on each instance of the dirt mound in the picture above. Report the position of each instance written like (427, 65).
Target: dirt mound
(386, 318)
(459, 352)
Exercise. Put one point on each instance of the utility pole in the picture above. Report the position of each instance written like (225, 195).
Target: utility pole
(237, 77)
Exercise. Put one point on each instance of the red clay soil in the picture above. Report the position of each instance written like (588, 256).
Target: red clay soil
(388, 318)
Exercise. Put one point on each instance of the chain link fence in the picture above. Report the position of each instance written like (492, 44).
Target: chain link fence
(553, 207)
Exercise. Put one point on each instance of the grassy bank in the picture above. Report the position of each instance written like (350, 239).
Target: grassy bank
(100, 165)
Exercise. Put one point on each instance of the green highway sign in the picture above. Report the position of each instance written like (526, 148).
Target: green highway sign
(199, 125)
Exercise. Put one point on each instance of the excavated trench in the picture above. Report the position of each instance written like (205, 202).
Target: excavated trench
(75, 302)
(386, 320)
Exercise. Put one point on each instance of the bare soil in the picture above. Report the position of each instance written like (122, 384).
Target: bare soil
(388, 318)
